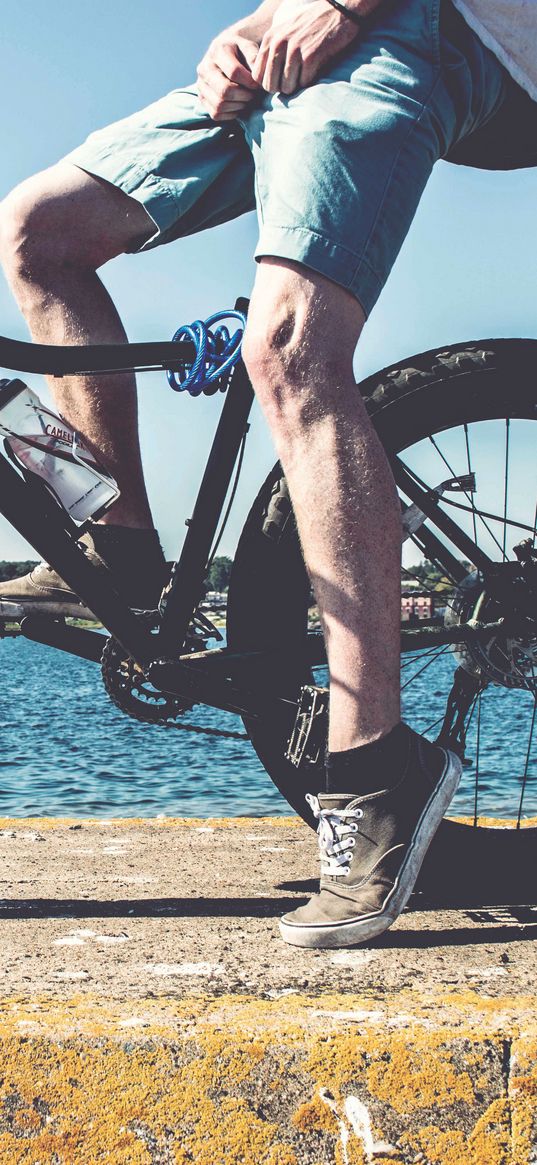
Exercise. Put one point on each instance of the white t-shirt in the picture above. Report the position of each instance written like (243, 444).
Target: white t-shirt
(509, 29)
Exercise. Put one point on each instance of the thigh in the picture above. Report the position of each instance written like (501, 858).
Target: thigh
(341, 166)
(185, 170)
(68, 215)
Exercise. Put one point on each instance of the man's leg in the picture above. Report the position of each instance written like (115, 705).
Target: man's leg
(387, 788)
(301, 337)
(56, 230)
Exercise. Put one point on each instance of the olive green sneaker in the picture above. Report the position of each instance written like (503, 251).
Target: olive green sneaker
(371, 851)
(133, 558)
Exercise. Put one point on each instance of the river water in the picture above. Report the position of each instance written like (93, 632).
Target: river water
(65, 750)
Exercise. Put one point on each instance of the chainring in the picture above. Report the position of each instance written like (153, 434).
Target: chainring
(129, 688)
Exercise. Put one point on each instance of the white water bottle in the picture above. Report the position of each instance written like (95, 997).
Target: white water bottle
(42, 443)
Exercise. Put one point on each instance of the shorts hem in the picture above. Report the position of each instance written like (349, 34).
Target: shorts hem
(158, 202)
(334, 260)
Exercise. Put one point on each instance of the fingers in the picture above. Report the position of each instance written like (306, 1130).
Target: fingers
(296, 48)
(223, 104)
(269, 64)
(225, 82)
(278, 65)
(248, 50)
(230, 66)
(292, 74)
(221, 89)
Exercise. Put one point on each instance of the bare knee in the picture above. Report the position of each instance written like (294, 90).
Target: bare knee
(62, 218)
(298, 347)
(16, 232)
(292, 372)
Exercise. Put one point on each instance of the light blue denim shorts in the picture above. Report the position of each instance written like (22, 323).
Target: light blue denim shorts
(336, 170)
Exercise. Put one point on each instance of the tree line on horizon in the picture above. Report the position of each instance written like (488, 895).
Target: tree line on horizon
(219, 573)
(217, 579)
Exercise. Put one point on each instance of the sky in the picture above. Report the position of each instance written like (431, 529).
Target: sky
(467, 269)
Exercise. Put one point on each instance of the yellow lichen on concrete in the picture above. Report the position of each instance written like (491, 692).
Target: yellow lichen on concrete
(282, 1155)
(491, 1139)
(207, 1078)
(408, 1078)
(18, 824)
(91, 1102)
(523, 1097)
(489, 1142)
(289, 1019)
(46, 823)
(315, 1115)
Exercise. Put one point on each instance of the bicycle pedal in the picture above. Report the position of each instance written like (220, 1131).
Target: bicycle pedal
(308, 738)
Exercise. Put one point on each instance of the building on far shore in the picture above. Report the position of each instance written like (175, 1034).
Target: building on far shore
(416, 604)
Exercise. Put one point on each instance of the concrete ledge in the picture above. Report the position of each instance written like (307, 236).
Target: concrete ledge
(281, 1083)
(150, 1014)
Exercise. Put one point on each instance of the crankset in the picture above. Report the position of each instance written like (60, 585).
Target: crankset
(128, 684)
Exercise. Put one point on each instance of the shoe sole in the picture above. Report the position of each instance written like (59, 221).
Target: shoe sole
(348, 934)
(16, 610)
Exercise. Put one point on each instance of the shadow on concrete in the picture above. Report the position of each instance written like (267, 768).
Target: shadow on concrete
(456, 936)
(486, 926)
(457, 898)
(146, 907)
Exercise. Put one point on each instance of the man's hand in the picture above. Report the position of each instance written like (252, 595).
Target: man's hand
(225, 82)
(300, 41)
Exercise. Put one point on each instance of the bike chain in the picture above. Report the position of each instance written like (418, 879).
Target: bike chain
(199, 730)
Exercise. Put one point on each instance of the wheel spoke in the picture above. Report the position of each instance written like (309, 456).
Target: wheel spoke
(506, 484)
(469, 466)
(467, 496)
(437, 552)
(425, 666)
(501, 523)
(527, 765)
(493, 517)
(424, 586)
(434, 724)
(409, 482)
(433, 651)
(477, 758)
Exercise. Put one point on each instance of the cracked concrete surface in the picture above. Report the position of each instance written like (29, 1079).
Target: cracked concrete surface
(189, 906)
(147, 953)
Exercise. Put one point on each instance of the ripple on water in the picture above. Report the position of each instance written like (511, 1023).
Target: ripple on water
(66, 750)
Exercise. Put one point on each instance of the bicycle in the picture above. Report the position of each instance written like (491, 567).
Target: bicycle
(157, 666)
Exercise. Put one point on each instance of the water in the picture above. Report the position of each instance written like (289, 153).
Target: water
(65, 750)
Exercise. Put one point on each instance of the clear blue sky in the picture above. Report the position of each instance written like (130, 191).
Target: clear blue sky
(466, 271)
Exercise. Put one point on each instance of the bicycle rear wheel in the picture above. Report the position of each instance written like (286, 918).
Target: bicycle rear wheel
(466, 409)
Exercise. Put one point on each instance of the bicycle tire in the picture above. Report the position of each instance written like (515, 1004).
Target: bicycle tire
(268, 593)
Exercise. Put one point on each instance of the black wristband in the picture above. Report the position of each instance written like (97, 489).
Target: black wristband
(357, 20)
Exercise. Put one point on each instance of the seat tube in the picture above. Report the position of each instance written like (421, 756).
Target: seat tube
(184, 592)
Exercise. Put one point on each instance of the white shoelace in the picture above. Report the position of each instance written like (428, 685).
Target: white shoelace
(335, 831)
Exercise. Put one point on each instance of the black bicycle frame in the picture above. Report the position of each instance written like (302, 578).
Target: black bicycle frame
(52, 533)
(210, 677)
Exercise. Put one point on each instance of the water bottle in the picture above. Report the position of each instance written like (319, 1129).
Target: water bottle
(42, 443)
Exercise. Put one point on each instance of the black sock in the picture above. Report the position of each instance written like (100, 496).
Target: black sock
(371, 766)
(126, 549)
(382, 764)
